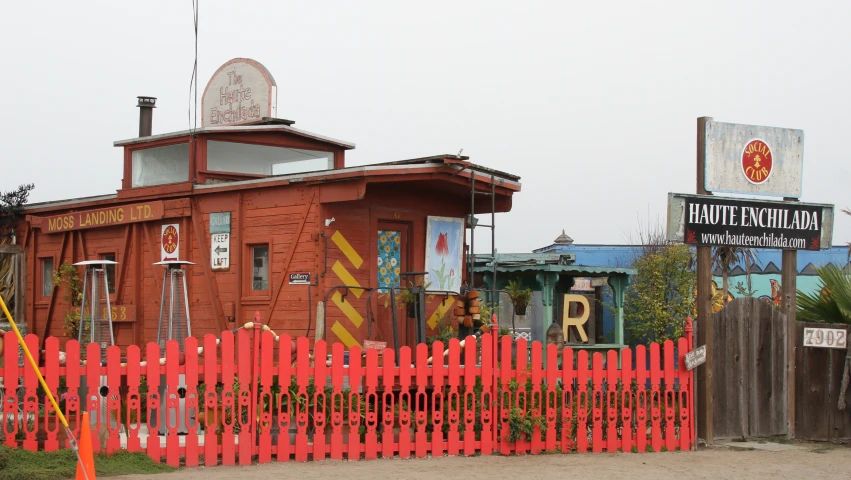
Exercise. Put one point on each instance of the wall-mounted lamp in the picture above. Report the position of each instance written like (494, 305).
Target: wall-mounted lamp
(472, 221)
(329, 221)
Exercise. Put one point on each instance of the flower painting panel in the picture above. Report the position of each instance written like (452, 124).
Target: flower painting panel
(444, 253)
(389, 258)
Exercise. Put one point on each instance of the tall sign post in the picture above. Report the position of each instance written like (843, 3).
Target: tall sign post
(789, 306)
(704, 302)
(747, 160)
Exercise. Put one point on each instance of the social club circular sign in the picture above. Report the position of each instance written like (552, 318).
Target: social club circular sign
(757, 161)
(170, 239)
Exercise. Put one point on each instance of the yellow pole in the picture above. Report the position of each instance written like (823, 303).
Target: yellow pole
(42, 382)
(33, 364)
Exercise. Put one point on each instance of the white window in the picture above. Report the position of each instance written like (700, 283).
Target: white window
(160, 165)
(264, 160)
(46, 277)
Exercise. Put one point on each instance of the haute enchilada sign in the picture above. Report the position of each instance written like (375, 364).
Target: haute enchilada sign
(101, 217)
(726, 222)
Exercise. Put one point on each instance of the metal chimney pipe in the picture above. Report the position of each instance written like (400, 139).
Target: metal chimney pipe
(146, 115)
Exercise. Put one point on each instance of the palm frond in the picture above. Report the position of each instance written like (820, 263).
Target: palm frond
(838, 286)
(726, 258)
(815, 308)
(847, 211)
(832, 301)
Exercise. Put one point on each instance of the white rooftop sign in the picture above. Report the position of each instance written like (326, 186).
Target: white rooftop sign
(241, 91)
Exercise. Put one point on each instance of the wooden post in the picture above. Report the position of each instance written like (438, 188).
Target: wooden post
(320, 321)
(704, 304)
(788, 283)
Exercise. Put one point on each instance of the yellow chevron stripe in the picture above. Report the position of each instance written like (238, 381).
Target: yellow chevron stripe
(347, 309)
(440, 311)
(344, 335)
(347, 278)
(347, 249)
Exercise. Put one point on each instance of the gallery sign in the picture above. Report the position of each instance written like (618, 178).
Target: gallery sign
(240, 91)
(101, 217)
(727, 222)
(300, 278)
(753, 160)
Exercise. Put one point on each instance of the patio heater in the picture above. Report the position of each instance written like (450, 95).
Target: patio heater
(95, 326)
(174, 324)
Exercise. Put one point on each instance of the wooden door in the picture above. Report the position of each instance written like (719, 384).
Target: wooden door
(748, 370)
(392, 245)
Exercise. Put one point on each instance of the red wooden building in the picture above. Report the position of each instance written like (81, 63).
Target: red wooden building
(288, 204)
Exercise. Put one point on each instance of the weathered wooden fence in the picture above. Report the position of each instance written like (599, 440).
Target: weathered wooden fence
(748, 365)
(252, 398)
(818, 376)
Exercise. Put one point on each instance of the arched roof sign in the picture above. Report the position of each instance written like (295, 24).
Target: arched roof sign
(240, 91)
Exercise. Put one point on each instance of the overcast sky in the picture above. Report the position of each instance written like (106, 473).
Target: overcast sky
(593, 104)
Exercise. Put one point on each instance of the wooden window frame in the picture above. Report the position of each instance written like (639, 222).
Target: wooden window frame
(252, 296)
(40, 298)
(127, 181)
(115, 252)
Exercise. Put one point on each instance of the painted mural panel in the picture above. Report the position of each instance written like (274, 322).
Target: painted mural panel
(444, 253)
(765, 276)
(389, 259)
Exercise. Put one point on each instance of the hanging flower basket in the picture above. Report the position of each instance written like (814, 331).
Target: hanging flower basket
(520, 297)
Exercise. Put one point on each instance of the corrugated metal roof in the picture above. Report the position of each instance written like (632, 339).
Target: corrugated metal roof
(524, 258)
(767, 259)
(574, 270)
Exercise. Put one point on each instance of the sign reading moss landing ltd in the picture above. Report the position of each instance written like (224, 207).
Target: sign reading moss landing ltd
(101, 217)
(727, 222)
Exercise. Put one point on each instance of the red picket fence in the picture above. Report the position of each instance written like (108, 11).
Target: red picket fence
(485, 396)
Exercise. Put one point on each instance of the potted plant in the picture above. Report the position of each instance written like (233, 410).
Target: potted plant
(520, 297)
(487, 310)
(444, 334)
(68, 275)
(407, 298)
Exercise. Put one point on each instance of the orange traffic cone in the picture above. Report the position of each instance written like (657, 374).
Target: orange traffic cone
(87, 459)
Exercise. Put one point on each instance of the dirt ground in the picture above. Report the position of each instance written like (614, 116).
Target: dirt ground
(820, 461)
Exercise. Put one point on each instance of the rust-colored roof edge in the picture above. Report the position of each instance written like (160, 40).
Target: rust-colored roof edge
(366, 171)
(361, 171)
(268, 127)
